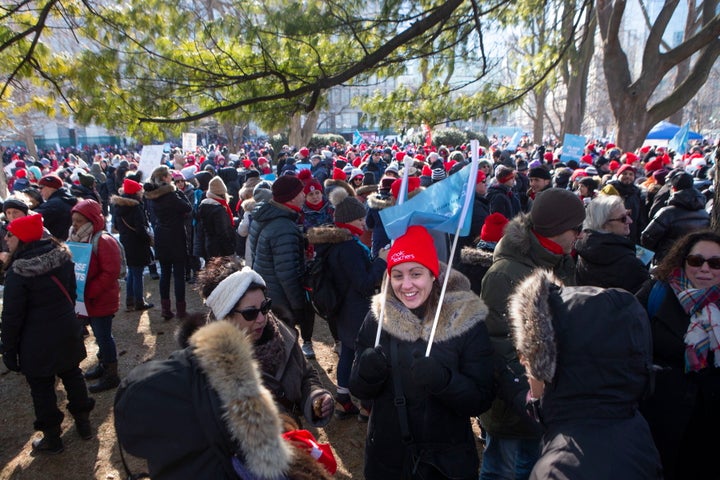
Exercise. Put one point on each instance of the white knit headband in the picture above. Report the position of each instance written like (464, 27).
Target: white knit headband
(228, 292)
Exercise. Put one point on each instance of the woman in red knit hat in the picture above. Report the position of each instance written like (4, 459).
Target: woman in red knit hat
(428, 434)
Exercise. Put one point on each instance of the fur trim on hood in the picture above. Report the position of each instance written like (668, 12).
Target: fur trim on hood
(366, 190)
(328, 234)
(378, 202)
(225, 355)
(43, 263)
(158, 192)
(124, 201)
(517, 234)
(461, 311)
(476, 256)
(531, 321)
(330, 183)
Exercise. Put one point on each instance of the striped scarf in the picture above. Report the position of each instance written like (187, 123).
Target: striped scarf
(703, 332)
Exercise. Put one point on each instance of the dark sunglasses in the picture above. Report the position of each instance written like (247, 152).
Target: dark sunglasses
(623, 219)
(251, 314)
(698, 260)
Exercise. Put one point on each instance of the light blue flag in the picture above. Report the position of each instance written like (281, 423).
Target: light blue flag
(438, 207)
(81, 253)
(573, 147)
(357, 138)
(680, 140)
(514, 141)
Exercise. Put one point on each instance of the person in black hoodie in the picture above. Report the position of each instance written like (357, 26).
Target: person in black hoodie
(56, 207)
(633, 199)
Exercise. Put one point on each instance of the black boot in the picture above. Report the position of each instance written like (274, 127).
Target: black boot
(95, 372)
(167, 312)
(130, 305)
(82, 425)
(50, 444)
(141, 304)
(181, 308)
(108, 381)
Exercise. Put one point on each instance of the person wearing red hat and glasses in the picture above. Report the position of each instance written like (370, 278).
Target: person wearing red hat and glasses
(42, 337)
(422, 405)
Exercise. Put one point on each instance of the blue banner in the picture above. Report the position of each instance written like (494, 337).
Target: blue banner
(573, 147)
(81, 253)
(357, 138)
(680, 140)
(438, 207)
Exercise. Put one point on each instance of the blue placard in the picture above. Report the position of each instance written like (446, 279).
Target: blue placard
(81, 253)
(573, 147)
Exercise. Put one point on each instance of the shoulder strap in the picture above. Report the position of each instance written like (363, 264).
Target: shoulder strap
(95, 239)
(62, 289)
(657, 295)
(399, 399)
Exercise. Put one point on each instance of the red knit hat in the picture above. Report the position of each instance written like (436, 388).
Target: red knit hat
(416, 245)
(413, 183)
(625, 168)
(630, 157)
(52, 181)
(304, 151)
(311, 186)
(338, 174)
(493, 228)
(613, 165)
(426, 170)
(481, 177)
(305, 176)
(131, 187)
(286, 188)
(22, 173)
(28, 228)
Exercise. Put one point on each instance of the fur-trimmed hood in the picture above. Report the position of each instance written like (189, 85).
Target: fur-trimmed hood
(124, 201)
(476, 256)
(328, 234)
(225, 355)
(42, 257)
(158, 192)
(517, 236)
(461, 311)
(366, 190)
(331, 183)
(378, 202)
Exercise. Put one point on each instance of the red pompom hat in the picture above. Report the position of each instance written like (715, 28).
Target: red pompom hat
(131, 187)
(338, 174)
(28, 228)
(413, 183)
(416, 245)
(493, 228)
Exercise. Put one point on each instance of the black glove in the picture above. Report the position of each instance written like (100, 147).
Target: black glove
(429, 373)
(373, 365)
(11, 361)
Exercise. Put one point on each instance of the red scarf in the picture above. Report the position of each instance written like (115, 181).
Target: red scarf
(549, 244)
(293, 207)
(353, 229)
(224, 203)
(315, 206)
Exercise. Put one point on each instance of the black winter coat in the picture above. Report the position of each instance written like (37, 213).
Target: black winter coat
(376, 203)
(278, 250)
(56, 213)
(354, 274)
(632, 198)
(608, 260)
(503, 200)
(439, 422)
(130, 220)
(170, 208)
(232, 182)
(684, 406)
(685, 213)
(38, 319)
(215, 229)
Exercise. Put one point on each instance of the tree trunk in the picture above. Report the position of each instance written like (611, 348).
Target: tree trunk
(540, 108)
(300, 135)
(578, 70)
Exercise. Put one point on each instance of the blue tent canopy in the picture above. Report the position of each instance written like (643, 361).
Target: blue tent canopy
(666, 131)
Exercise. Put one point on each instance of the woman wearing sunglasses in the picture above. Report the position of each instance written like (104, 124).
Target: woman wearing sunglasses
(606, 255)
(683, 305)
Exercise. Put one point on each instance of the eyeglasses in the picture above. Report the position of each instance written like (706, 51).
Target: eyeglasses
(623, 219)
(698, 260)
(251, 314)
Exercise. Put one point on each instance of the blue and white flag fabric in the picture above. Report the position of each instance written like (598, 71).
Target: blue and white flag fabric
(514, 141)
(357, 138)
(81, 253)
(680, 140)
(438, 207)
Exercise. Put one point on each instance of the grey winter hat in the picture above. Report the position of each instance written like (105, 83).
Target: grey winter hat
(555, 211)
(347, 208)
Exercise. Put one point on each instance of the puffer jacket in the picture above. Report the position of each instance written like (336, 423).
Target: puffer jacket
(439, 422)
(354, 275)
(516, 256)
(130, 220)
(277, 247)
(102, 288)
(38, 318)
(170, 208)
(56, 212)
(685, 213)
(608, 260)
(216, 230)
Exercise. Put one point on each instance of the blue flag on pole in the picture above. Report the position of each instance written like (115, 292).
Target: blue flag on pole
(680, 140)
(514, 141)
(357, 138)
(438, 207)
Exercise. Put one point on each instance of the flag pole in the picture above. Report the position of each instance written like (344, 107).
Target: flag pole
(407, 163)
(469, 190)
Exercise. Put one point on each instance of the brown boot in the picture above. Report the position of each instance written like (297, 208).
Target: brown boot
(167, 312)
(181, 309)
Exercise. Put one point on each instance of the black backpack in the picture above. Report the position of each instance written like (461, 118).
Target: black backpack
(320, 287)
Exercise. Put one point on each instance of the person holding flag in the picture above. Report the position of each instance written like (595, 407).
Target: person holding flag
(422, 404)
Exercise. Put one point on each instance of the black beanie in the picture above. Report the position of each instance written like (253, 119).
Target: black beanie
(539, 172)
(16, 204)
(286, 188)
(555, 211)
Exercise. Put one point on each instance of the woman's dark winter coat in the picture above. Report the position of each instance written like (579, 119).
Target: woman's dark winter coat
(130, 220)
(56, 212)
(377, 202)
(608, 260)
(354, 275)
(633, 200)
(38, 319)
(683, 409)
(170, 207)
(439, 422)
(216, 229)
(475, 262)
(684, 213)
(232, 182)
(503, 200)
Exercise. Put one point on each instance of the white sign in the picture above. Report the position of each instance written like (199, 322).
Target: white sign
(189, 142)
(150, 157)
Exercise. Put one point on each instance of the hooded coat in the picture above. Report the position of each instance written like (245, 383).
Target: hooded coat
(354, 275)
(102, 288)
(216, 230)
(516, 256)
(130, 220)
(40, 323)
(170, 208)
(278, 253)
(377, 202)
(503, 200)
(608, 260)
(474, 263)
(439, 422)
(592, 348)
(633, 200)
(56, 212)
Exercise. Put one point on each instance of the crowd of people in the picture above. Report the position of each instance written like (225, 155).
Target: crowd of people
(551, 327)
